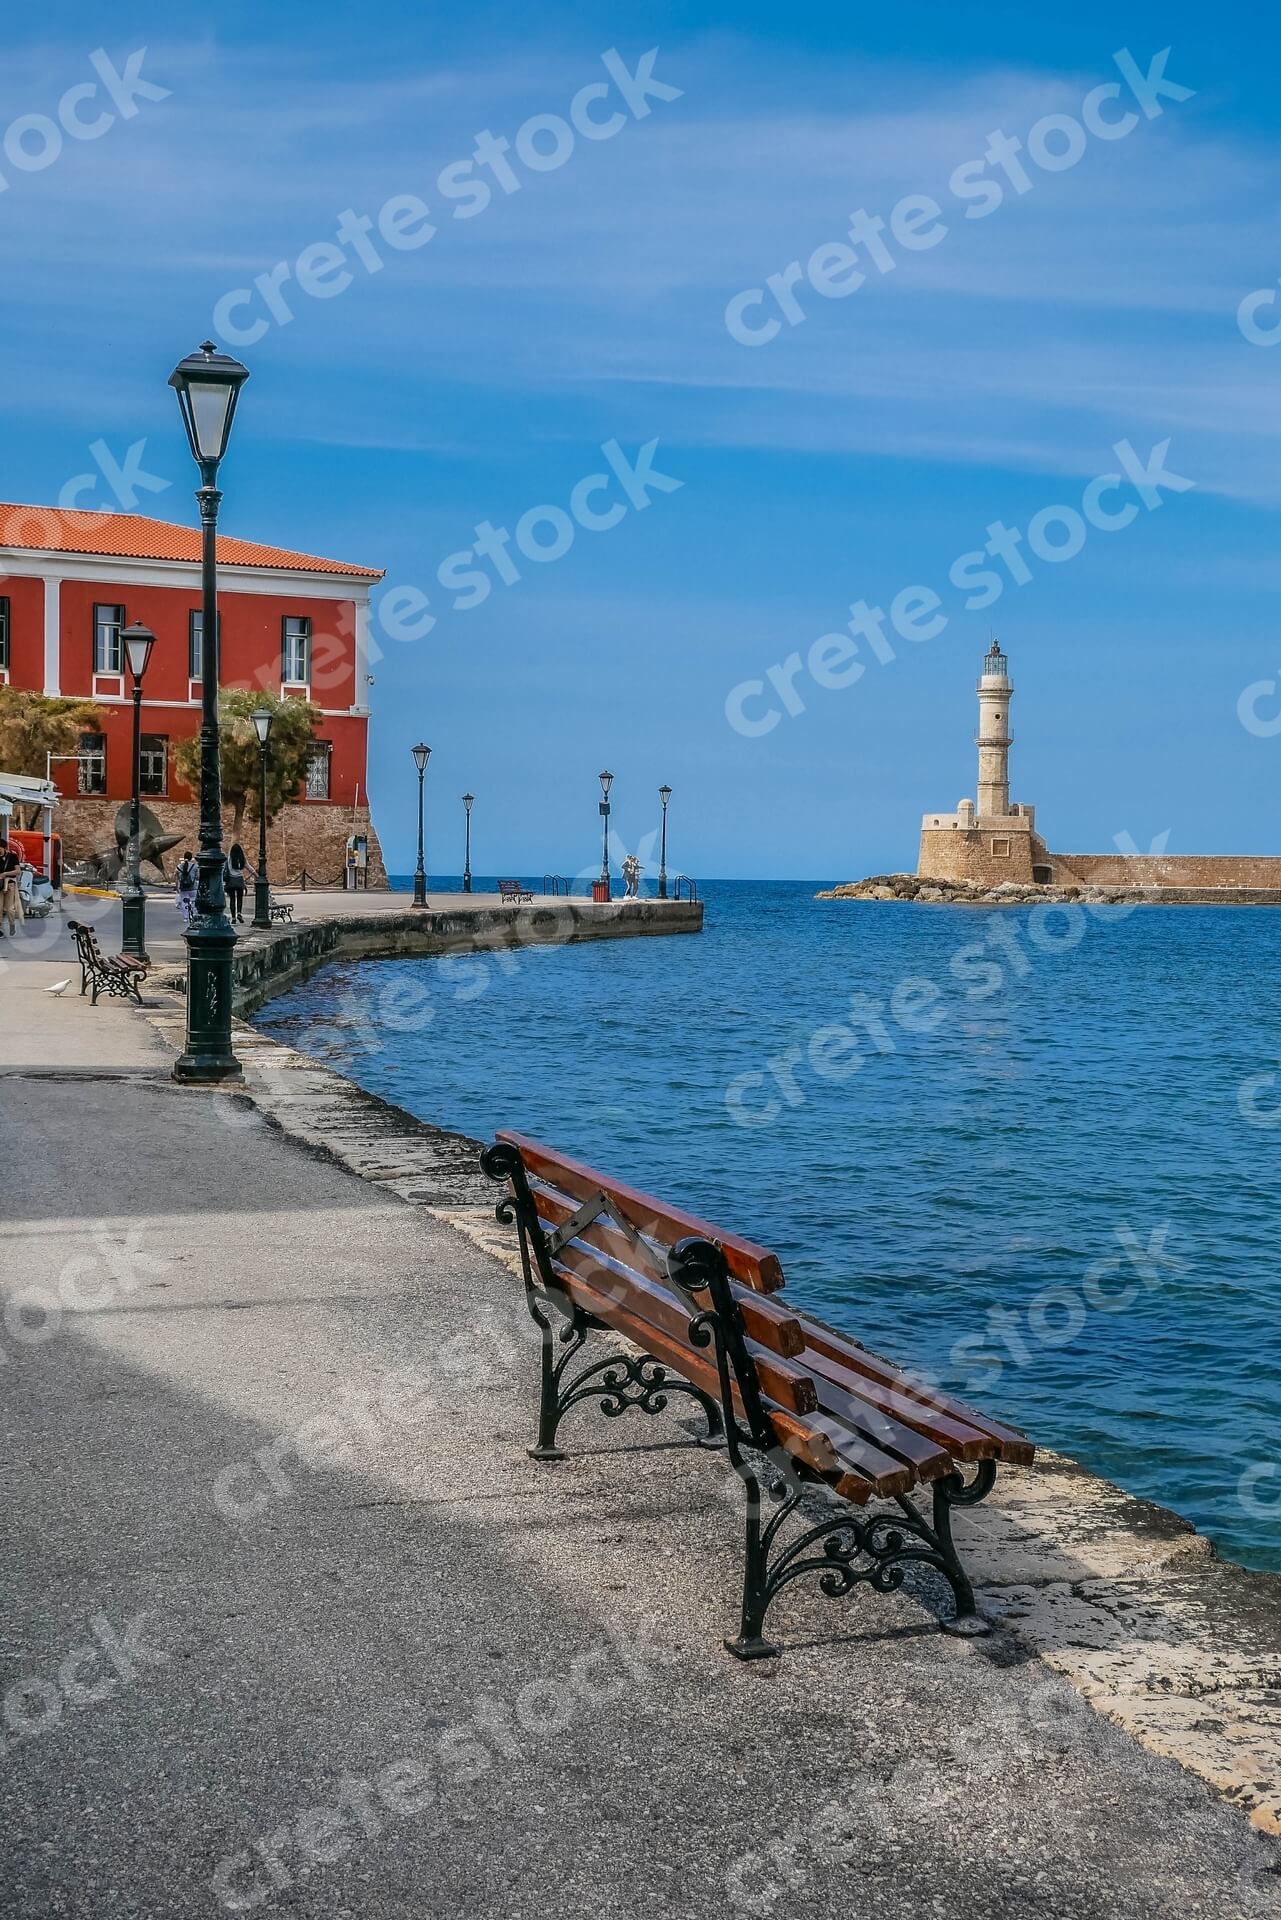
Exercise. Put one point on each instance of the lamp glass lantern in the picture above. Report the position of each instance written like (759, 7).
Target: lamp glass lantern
(262, 718)
(138, 642)
(208, 386)
(664, 794)
(421, 755)
(606, 782)
(468, 799)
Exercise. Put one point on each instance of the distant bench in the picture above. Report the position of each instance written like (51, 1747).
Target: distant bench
(121, 975)
(835, 1423)
(512, 890)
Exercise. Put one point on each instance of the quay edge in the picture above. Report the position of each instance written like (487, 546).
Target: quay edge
(267, 964)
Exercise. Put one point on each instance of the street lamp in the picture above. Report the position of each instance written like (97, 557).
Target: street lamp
(664, 794)
(467, 806)
(262, 718)
(606, 782)
(138, 642)
(421, 755)
(208, 386)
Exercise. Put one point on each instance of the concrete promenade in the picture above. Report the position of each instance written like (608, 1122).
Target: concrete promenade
(291, 1624)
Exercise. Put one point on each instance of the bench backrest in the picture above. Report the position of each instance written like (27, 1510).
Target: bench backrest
(86, 942)
(511, 886)
(651, 1272)
(648, 1269)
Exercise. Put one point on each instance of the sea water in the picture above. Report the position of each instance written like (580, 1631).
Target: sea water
(1032, 1154)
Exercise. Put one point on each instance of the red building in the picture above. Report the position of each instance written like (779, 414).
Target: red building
(292, 624)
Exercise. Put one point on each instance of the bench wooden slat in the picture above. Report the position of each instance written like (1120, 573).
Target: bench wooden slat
(648, 1304)
(817, 1451)
(876, 1428)
(961, 1441)
(967, 1434)
(754, 1266)
(769, 1325)
(839, 1449)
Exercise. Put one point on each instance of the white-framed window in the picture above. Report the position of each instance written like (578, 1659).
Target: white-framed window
(153, 763)
(318, 770)
(196, 643)
(92, 770)
(295, 650)
(108, 646)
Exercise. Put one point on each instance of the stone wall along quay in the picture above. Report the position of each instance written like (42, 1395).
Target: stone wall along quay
(266, 964)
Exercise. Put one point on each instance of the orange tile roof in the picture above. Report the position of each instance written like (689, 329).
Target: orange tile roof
(131, 536)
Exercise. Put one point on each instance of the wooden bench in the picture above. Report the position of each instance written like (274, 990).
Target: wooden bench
(803, 1410)
(121, 975)
(512, 890)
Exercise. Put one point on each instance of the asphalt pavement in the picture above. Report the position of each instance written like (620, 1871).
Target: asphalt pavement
(291, 1623)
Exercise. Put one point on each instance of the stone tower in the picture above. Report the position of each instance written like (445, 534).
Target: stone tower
(993, 738)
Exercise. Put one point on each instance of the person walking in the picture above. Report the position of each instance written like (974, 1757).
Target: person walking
(10, 893)
(187, 879)
(234, 881)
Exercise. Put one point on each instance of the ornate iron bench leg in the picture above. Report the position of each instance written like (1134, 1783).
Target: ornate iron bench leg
(750, 1643)
(849, 1549)
(619, 1382)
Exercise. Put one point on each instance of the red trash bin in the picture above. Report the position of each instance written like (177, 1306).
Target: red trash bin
(600, 891)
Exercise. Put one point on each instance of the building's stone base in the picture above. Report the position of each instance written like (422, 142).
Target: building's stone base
(991, 853)
(310, 836)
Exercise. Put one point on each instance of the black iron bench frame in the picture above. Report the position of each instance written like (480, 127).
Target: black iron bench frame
(511, 890)
(845, 1548)
(120, 976)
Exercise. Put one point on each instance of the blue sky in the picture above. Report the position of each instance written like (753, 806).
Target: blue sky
(855, 455)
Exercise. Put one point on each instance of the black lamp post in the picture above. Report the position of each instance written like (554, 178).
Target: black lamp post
(262, 718)
(421, 755)
(138, 642)
(664, 794)
(467, 806)
(208, 386)
(606, 782)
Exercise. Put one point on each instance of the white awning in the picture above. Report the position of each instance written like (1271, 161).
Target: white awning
(27, 790)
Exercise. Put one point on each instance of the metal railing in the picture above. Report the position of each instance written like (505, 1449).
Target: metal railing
(683, 880)
(336, 885)
(556, 883)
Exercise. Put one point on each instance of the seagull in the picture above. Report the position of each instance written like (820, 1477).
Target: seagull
(59, 987)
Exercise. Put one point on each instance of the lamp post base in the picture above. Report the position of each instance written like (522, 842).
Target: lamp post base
(467, 883)
(208, 1057)
(262, 906)
(420, 890)
(133, 923)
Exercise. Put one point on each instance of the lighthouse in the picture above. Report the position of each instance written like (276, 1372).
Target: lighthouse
(993, 738)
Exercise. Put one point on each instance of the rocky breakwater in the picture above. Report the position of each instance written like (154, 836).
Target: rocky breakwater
(966, 893)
